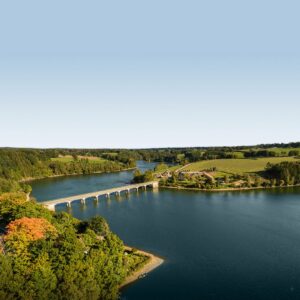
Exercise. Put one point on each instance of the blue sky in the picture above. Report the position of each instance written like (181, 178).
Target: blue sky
(149, 73)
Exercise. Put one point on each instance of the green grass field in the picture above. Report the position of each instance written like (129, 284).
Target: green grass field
(69, 158)
(236, 166)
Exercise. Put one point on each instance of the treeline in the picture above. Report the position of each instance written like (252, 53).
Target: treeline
(125, 156)
(139, 177)
(192, 154)
(46, 255)
(84, 166)
(187, 156)
(21, 164)
(279, 145)
(285, 173)
(269, 153)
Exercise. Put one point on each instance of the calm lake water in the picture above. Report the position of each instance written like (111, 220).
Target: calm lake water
(235, 245)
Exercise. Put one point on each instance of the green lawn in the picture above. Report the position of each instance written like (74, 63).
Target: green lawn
(235, 166)
(170, 168)
(69, 158)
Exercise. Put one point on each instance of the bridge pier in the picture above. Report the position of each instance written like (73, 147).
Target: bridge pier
(155, 185)
(107, 193)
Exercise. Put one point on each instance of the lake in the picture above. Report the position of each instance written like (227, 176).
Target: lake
(227, 245)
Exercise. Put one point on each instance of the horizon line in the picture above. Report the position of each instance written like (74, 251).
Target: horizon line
(143, 148)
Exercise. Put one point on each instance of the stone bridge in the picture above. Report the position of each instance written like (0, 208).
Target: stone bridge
(95, 195)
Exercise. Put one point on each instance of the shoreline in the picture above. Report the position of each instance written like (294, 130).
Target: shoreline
(153, 263)
(229, 189)
(67, 175)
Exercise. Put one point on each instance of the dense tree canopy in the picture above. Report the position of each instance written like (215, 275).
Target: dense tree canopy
(142, 177)
(17, 165)
(46, 255)
(287, 173)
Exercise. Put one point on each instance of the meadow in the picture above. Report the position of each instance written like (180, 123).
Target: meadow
(236, 166)
(70, 158)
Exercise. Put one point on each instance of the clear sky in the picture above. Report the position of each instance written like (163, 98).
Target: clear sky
(149, 73)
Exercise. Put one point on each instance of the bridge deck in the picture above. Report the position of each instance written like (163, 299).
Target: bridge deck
(100, 193)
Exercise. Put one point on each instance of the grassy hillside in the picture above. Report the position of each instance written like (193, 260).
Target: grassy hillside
(234, 166)
(69, 158)
(19, 165)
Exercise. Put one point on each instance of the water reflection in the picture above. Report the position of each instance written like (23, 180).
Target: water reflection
(236, 245)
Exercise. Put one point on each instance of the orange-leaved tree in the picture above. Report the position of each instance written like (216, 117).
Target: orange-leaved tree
(20, 234)
(29, 229)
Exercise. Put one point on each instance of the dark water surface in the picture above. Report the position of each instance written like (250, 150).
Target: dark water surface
(58, 187)
(235, 245)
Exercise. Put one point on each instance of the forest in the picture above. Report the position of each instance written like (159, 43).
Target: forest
(285, 173)
(47, 255)
(19, 165)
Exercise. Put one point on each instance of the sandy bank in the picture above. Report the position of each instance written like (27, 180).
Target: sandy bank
(152, 264)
